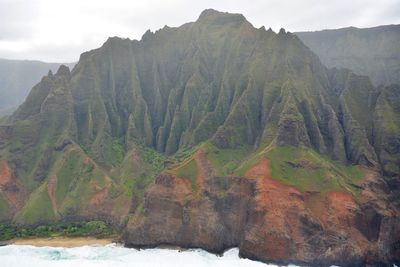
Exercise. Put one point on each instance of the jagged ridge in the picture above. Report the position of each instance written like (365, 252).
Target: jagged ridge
(83, 143)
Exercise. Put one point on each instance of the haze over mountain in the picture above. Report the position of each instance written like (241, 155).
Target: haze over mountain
(17, 77)
(374, 52)
(43, 29)
(213, 134)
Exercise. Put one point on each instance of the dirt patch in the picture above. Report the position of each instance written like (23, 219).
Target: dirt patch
(11, 196)
(203, 167)
(51, 191)
(281, 207)
(267, 186)
(340, 209)
(88, 161)
(5, 173)
(8, 186)
(167, 185)
(99, 197)
(289, 218)
(135, 157)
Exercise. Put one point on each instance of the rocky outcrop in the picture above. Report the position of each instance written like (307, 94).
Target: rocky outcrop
(270, 221)
(292, 128)
(213, 218)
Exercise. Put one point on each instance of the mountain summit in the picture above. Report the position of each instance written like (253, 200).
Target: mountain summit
(214, 134)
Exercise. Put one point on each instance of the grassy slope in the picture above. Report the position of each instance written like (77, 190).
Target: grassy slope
(300, 167)
(191, 115)
(306, 170)
(5, 210)
(138, 170)
(309, 171)
(225, 161)
(76, 182)
(78, 179)
(37, 209)
(189, 171)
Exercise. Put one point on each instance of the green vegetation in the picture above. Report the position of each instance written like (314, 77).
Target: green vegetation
(90, 228)
(152, 157)
(5, 209)
(66, 175)
(307, 170)
(87, 181)
(118, 151)
(184, 154)
(38, 208)
(139, 169)
(246, 165)
(189, 171)
(225, 161)
(136, 185)
(98, 137)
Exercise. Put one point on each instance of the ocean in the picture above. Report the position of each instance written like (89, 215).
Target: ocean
(117, 256)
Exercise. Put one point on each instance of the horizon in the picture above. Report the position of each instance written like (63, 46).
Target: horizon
(57, 31)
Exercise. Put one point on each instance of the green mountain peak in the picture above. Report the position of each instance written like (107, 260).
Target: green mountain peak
(213, 134)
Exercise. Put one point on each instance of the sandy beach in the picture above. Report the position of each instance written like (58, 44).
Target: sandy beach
(67, 242)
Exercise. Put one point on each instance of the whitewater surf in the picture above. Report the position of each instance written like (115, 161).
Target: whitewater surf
(118, 256)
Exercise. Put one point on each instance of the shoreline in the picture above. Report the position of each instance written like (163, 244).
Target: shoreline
(61, 241)
(76, 242)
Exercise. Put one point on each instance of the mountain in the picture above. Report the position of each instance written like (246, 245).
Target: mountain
(374, 52)
(213, 134)
(17, 77)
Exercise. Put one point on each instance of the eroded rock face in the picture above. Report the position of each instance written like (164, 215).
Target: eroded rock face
(9, 188)
(213, 219)
(270, 221)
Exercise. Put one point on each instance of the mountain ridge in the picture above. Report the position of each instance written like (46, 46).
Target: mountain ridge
(367, 51)
(17, 77)
(213, 134)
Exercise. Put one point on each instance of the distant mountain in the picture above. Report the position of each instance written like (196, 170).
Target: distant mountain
(374, 52)
(213, 134)
(17, 77)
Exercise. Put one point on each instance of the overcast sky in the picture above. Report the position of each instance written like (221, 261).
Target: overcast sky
(59, 31)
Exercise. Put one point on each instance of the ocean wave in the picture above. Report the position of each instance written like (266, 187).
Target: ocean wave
(117, 256)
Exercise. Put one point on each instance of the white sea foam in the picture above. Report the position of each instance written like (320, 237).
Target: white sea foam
(117, 256)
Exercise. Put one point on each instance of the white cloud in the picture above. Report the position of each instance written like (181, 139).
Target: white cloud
(59, 30)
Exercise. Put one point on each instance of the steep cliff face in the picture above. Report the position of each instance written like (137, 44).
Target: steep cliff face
(282, 205)
(386, 129)
(218, 78)
(373, 52)
(213, 134)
